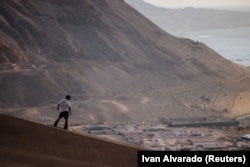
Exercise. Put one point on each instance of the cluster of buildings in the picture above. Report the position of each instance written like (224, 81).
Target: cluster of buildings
(164, 137)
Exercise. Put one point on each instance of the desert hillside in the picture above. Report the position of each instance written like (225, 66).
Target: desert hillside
(24, 143)
(117, 65)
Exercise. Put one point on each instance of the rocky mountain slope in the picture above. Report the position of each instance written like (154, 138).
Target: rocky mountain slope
(117, 65)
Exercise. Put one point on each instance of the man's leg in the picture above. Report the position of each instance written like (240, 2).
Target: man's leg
(66, 116)
(56, 122)
(66, 124)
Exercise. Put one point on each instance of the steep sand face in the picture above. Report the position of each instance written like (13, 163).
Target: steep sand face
(24, 143)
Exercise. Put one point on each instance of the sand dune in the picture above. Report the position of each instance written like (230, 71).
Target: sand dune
(26, 144)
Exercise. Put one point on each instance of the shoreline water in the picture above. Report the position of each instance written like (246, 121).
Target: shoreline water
(233, 44)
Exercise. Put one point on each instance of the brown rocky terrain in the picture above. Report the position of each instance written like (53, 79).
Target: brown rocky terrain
(117, 65)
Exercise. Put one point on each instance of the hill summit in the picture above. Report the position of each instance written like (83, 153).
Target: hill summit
(116, 64)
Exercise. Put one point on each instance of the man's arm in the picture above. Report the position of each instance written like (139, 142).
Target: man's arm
(70, 111)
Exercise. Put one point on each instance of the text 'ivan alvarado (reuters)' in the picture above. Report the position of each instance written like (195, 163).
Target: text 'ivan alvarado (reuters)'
(196, 158)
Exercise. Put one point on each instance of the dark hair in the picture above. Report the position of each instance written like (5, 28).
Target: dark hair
(68, 97)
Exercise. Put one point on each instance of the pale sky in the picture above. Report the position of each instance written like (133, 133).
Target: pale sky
(199, 3)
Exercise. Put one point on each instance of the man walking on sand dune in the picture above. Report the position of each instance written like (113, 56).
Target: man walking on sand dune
(64, 106)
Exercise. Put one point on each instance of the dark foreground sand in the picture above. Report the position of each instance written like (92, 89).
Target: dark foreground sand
(27, 144)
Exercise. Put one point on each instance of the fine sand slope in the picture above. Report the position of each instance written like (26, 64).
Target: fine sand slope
(26, 144)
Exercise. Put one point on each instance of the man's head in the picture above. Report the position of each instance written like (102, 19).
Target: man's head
(68, 97)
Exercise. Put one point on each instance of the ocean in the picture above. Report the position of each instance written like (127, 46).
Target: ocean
(232, 44)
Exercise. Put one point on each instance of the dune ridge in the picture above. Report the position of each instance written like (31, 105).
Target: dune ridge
(25, 143)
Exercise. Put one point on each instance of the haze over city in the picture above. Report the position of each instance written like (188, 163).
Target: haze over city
(199, 3)
(226, 29)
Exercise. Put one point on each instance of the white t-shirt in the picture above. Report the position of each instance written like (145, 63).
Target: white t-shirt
(64, 105)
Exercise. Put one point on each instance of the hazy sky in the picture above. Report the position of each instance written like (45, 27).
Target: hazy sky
(200, 3)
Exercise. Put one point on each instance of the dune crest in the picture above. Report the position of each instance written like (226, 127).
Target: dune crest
(24, 143)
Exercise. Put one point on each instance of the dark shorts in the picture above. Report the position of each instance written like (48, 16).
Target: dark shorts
(64, 114)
